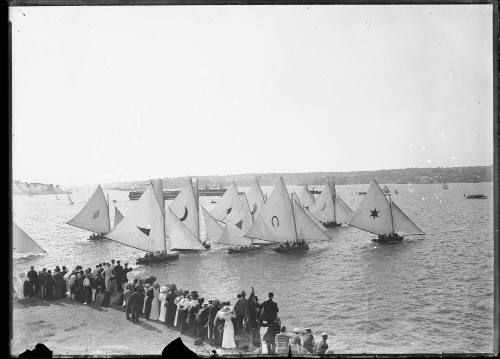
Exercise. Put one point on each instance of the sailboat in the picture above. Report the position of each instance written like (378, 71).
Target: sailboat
(144, 228)
(255, 198)
(306, 198)
(330, 209)
(282, 220)
(94, 216)
(386, 189)
(225, 205)
(295, 197)
(70, 200)
(182, 220)
(396, 191)
(22, 243)
(380, 215)
(445, 186)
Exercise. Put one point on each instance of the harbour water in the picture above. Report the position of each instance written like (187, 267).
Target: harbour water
(431, 293)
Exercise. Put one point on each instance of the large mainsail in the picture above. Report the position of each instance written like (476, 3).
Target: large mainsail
(255, 198)
(324, 206)
(118, 217)
(213, 228)
(142, 227)
(275, 221)
(185, 208)
(343, 213)
(158, 189)
(226, 203)
(314, 219)
(240, 215)
(307, 229)
(22, 243)
(374, 212)
(94, 216)
(233, 235)
(306, 198)
(180, 236)
(403, 224)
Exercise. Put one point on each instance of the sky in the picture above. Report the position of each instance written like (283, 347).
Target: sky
(111, 94)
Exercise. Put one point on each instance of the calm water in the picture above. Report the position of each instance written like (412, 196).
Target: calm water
(430, 293)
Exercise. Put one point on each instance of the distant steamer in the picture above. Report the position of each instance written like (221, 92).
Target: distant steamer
(170, 195)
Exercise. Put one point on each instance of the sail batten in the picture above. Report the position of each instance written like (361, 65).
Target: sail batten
(275, 221)
(94, 216)
(143, 227)
(23, 243)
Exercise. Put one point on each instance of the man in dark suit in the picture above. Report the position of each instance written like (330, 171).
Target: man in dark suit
(118, 273)
(269, 309)
(136, 301)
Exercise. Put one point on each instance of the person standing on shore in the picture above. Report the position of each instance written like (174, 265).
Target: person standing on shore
(118, 273)
(49, 282)
(308, 342)
(33, 279)
(135, 303)
(273, 328)
(296, 345)
(171, 306)
(201, 320)
(154, 314)
(321, 346)
(106, 273)
(282, 341)
(227, 314)
(269, 310)
(212, 313)
(149, 298)
(239, 310)
(43, 285)
(163, 304)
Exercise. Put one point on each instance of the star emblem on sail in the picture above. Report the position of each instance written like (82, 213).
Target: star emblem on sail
(182, 219)
(94, 216)
(389, 217)
(329, 207)
(294, 222)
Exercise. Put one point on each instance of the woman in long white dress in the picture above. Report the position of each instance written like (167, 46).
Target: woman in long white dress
(155, 304)
(226, 313)
(163, 304)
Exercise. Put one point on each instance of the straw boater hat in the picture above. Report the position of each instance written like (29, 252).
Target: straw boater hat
(163, 289)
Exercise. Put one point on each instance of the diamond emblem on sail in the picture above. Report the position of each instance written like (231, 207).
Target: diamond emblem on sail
(254, 209)
(229, 210)
(145, 230)
(277, 222)
(95, 214)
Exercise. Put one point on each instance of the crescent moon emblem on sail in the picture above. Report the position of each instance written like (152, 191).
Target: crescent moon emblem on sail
(254, 209)
(277, 222)
(185, 214)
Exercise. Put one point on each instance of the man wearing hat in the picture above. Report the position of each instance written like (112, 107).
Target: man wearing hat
(239, 310)
(118, 273)
(201, 321)
(321, 346)
(182, 307)
(269, 309)
(308, 342)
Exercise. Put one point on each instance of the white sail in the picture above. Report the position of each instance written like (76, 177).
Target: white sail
(255, 198)
(314, 219)
(386, 189)
(307, 229)
(142, 227)
(213, 228)
(94, 216)
(324, 207)
(118, 216)
(275, 221)
(185, 208)
(180, 237)
(22, 243)
(158, 189)
(233, 235)
(306, 198)
(240, 215)
(70, 200)
(374, 213)
(403, 224)
(226, 203)
(343, 213)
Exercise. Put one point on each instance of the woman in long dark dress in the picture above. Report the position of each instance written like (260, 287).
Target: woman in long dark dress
(171, 307)
(149, 300)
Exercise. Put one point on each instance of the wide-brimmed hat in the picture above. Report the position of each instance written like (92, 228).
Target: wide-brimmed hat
(296, 330)
(324, 334)
(226, 309)
(308, 330)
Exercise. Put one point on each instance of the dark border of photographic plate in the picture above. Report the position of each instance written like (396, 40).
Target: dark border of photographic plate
(496, 137)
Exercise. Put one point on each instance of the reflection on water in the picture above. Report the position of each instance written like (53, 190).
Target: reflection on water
(429, 293)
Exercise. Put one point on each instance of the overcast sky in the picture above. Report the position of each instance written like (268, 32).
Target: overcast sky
(107, 94)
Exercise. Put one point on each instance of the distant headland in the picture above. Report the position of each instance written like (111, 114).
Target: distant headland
(471, 174)
(20, 188)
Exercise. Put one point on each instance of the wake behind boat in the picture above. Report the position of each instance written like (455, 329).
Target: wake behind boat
(379, 215)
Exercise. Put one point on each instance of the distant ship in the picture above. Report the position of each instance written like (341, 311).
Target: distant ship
(476, 196)
(172, 194)
(444, 186)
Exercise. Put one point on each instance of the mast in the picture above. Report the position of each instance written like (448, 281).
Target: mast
(334, 195)
(392, 217)
(292, 200)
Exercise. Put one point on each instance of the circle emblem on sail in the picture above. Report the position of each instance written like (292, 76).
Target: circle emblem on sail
(374, 213)
(254, 209)
(95, 214)
(275, 220)
(185, 214)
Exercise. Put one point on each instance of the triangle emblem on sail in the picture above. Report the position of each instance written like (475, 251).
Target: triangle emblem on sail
(374, 212)
(241, 215)
(226, 203)
(275, 220)
(118, 216)
(22, 243)
(89, 219)
(143, 227)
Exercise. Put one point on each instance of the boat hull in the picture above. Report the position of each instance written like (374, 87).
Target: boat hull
(391, 238)
(476, 196)
(234, 250)
(331, 224)
(97, 237)
(158, 259)
(292, 249)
